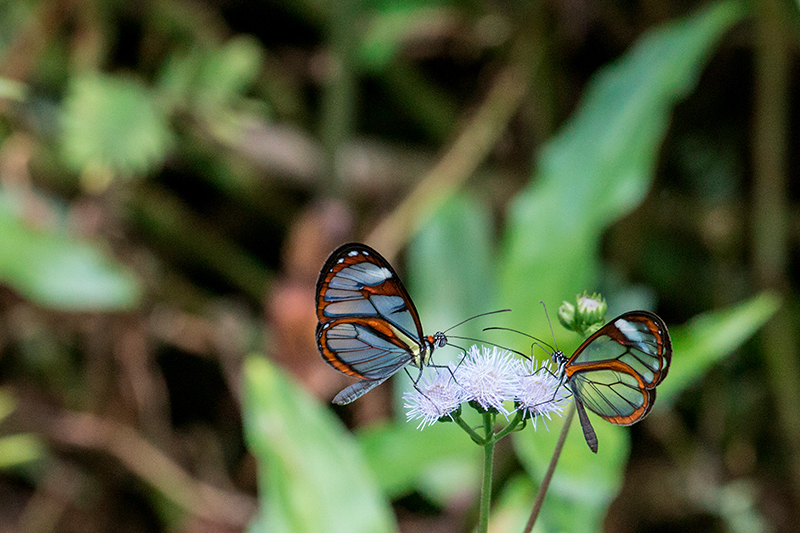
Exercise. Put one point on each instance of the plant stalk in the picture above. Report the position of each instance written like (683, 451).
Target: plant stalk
(488, 463)
(477, 439)
(771, 214)
(548, 476)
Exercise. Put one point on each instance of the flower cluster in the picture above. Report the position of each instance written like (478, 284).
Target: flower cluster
(539, 391)
(434, 398)
(490, 379)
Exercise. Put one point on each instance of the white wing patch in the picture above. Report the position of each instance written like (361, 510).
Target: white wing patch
(630, 329)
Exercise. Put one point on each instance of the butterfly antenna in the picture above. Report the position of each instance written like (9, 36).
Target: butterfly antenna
(553, 333)
(561, 360)
(487, 342)
(477, 316)
(537, 339)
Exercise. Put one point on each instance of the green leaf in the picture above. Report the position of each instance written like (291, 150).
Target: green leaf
(584, 482)
(708, 338)
(311, 473)
(19, 449)
(16, 450)
(451, 276)
(595, 170)
(8, 402)
(601, 163)
(60, 272)
(12, 90)
(449, 468)
(451, 266)
(211, 80)
(513, 507)
(112, 124)
(227, 73)
(393, 23)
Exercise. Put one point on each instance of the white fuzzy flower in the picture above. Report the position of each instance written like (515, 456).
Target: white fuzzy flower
(433, 398)
(539, 392)
(489, 377)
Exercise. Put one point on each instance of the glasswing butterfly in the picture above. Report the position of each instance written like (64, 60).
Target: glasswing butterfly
(368, 326)
(615, 371)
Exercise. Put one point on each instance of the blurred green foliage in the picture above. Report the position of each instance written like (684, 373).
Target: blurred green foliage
(313, 473)
(600, 164)
(19, 449)
(593, 172)
(60, 271)
(162, 168)
(112, 126)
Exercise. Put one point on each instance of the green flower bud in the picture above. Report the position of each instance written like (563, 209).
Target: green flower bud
(591, 310)
(586, 316)
(566, 315)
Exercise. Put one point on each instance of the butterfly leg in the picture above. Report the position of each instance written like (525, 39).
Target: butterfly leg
(561, 383)
(559, 375)
(414, 382)
(463, 357)
(450, 370)
(541, 347)
(546, 370)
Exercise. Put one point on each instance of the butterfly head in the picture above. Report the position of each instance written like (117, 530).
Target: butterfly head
(438, 340)
(431, 342)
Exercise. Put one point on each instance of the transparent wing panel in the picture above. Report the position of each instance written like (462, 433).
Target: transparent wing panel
(365, 350)
(608, 393)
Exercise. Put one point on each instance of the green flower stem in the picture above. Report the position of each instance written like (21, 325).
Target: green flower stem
(537, 505)
(511, 426)
(477, 439)
(487, 441)
(488, 461)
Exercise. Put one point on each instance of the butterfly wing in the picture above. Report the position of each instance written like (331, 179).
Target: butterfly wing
(368, 326)
(615, 371)
(613, 393)
(356, 391)
(366, 348)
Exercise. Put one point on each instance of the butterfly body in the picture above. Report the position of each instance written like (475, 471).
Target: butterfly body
(367, 326)
(615, 371)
